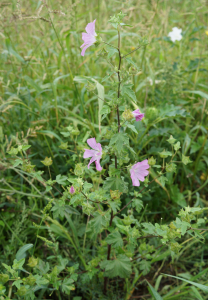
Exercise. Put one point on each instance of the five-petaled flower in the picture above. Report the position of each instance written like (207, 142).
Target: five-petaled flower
(175, 34)
(89, 38)
(72, 190)
(138, 116)
(95, 154)
(139, 171)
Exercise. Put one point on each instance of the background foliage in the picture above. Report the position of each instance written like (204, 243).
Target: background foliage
(44, 103)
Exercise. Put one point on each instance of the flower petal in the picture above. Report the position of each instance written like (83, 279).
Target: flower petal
(90, 28)
(91, 161)
(98, 166)
(92, 143)
(135, 181)
(84, 49)
(89, 153)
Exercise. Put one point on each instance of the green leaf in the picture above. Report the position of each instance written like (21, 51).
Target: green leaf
(17, 162)
(126, 90)
(171, 140)
(41, 280)
(111, 52)
(138, 204)
(17, 264)
(97, 224)
(202, 94)
(200, 286)
(115, 239)
(162, 180)
(21, 253)
(145, 266)
(67, 285)
(149, 228)
(121, 266)
(105, 110)
(61, 179)
(132, 62)
(119, 139)
(17, 283)
(25, 147)
(115, 183)
(177, 146)
(154, 292)
(58, 209)
(185, 160)
(113, 172)
(133, 128)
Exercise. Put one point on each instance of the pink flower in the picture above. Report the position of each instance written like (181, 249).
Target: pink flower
(89, 37)
(72, 190)
(139, 171)
(96, 154)
(136, 113)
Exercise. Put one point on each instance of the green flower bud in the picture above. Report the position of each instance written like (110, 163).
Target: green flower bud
(30, 280)
(127, 114)
(4, 278)
(47, 161)
(115, 194)
(151, 161)
(22, 291)
(79, 169)
(32, 262)
(64, 146)
(151, 113)
(133, 70)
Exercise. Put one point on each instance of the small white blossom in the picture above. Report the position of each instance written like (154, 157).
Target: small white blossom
(175, 34)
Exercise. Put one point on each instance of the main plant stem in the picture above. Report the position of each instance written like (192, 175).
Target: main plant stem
(116, 163)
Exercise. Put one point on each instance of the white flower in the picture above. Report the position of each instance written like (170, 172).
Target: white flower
(175, 34)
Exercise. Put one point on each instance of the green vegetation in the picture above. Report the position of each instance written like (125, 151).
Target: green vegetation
(109, 239)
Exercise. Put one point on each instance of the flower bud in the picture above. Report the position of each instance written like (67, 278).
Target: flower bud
(151, 113)
(133, 70)
(127, 115)
(72, 190)
(152, 161)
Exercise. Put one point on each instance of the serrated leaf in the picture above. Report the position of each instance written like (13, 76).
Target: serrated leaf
(121, 266)
(138, 204)
(145, 266)
(67, 285)
(115, 239)
(17, 283)
(61, 179)
(98, 223)
(126, 90)
(162, 180)
(111, 52)
(105, 110)
(119, 140)
(17, 264)
(132, 62)
(17, 162)
(115, 183)
(132, 127)
(58, 210)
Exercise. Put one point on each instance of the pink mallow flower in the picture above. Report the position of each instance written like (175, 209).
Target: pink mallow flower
(139, 116)
(139, 171)
(96, 154)
(89, 37)
(72, 190)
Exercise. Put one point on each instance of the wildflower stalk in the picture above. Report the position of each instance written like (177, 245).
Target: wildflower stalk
(116, 163)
